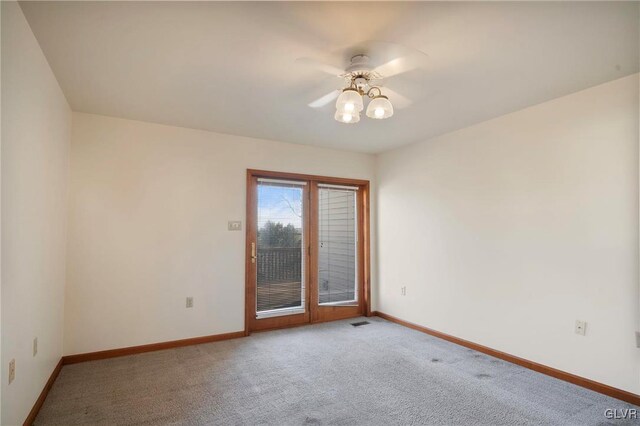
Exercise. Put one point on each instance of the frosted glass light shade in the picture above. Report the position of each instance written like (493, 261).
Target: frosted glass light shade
(349, 101)
(347, 117)
(380, 108)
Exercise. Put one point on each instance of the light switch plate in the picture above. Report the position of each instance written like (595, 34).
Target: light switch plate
(189, 302)
(35, 346)
(234, 225)
(638, 339)
(581, 327)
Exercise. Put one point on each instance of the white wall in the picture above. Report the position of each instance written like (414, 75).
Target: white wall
(36, 122)
(507, 232)
(148, 213)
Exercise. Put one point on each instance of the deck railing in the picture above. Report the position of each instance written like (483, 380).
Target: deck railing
(279, 277)
(280, 280)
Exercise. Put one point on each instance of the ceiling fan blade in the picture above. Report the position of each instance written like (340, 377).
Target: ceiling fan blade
(397, 100)
(320, 66)
(324, 100)
(402, 64)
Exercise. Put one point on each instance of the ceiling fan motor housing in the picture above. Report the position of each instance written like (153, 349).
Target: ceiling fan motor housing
(359, 62)
(360, 71)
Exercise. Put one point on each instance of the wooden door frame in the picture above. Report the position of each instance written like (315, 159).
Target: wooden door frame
(364, 248)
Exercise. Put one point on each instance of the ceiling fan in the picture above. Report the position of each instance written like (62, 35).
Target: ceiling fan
(369, 65)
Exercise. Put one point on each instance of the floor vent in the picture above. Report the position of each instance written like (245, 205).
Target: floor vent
(358, 324)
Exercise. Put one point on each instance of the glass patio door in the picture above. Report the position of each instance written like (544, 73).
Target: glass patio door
(279, 252)
(337, 245)
(336, 232)
(305, 250)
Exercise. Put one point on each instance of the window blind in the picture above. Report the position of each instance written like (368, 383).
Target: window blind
(337, 251)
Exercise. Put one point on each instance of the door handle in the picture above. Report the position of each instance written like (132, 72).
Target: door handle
(253, 253)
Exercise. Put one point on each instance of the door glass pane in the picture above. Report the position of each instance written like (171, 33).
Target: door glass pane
(337, 251)
(280, 263)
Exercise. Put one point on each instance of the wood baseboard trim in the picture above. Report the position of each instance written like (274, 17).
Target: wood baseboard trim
(620, 394)
(43, 395)
(131, 350)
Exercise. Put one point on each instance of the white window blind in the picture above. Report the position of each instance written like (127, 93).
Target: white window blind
(280, 248)
(338, 238)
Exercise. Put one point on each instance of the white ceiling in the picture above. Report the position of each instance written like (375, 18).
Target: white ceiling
(230, 67)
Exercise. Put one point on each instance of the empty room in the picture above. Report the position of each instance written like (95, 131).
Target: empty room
(336, 213)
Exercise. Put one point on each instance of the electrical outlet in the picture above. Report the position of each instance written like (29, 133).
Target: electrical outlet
(12, 370)
(234, 225)
(403, 290)
(35, 346)
(189, 302)
(638, 339)
(581, 327)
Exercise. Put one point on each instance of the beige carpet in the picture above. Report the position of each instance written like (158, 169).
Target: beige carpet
(333, 373)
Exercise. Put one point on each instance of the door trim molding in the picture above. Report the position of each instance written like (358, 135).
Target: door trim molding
(616, 393)
(300, 176)
(251, 210)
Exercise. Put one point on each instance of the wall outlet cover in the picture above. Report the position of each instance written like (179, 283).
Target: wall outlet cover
(35, 346)
(12, 370)
(638, 339)
(581, 327)
(189, 302)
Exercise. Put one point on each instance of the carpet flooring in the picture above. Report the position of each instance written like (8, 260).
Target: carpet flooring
(332, 373)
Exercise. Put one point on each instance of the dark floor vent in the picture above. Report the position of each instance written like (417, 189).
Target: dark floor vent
(358, 324)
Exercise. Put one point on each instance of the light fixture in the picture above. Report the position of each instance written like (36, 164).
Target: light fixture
(349, 103)
(380, 108)
(347, 117)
